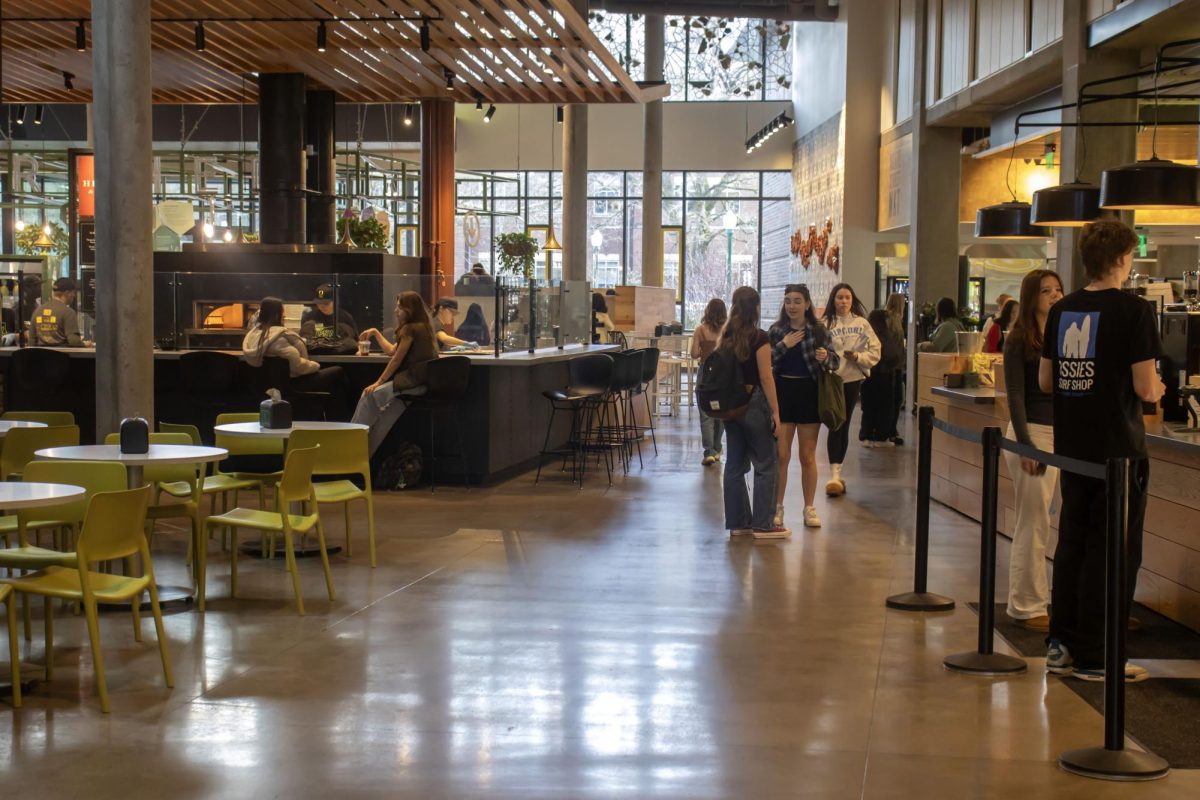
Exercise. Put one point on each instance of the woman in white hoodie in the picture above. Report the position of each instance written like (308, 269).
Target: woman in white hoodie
(268, 337)
(856, 343)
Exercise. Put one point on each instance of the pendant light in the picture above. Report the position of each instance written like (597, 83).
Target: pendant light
(1069, 205)
(551, 244)
(1153, 183)
(44, 242)
(1011, 220)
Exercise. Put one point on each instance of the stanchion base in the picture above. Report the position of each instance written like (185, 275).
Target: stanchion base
(920, 601)
(1114, 765)
(980, 664)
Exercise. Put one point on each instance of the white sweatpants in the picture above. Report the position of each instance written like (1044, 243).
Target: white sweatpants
(379, 410)
(1028, 592)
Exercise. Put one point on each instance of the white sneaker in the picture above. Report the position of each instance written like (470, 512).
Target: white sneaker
(885, 443)
(867, 443)
(777, 532)
(811, 520)
(779, 516)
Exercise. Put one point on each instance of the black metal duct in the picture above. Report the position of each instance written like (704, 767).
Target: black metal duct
(792, 10)
(321, 202)
(281, 157)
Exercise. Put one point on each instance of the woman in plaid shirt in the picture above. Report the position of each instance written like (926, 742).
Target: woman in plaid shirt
(799, 351)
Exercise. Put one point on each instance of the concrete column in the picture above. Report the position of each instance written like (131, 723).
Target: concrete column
(933, 230)
(1174, 260)
(866, 31)
(124, 216)
(1105, 147)
(652, 158)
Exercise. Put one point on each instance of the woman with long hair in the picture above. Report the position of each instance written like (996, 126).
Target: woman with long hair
(474, 327)
(799, 351)
(897, 320)
(877, 427)
(268, 337)
(751, 438)
(997, 333)
(858, 346)
(945, 335)
(1031, 420)
(704, 341)
(382, 403)
(602, 324)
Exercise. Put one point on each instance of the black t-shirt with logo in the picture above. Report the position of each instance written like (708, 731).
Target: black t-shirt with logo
(1093, 340)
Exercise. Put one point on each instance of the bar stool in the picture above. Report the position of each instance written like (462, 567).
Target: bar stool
(446, 381)
(623, 430)
(590, 379)
(650, 356)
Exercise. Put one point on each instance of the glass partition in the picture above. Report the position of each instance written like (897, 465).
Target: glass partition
(540, 314)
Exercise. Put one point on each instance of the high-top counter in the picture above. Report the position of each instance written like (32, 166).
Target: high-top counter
(1169, 581)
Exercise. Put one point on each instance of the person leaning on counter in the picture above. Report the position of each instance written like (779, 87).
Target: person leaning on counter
(55, 323)
(443, 318)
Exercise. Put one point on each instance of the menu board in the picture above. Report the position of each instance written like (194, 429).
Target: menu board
(87, 242)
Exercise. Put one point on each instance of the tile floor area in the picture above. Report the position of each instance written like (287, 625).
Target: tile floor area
(547, 642)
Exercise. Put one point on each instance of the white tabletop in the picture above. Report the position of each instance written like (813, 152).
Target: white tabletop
(255, 430)
(7, 425)
(158, 454)
(17, 494)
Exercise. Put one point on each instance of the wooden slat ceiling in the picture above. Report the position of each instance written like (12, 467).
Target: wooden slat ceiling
(501, 51)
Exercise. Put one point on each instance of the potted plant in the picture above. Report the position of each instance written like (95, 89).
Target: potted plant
(367, 234)
(516, 252)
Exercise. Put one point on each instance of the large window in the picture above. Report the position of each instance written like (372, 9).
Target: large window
(721, 230)
(706, 58)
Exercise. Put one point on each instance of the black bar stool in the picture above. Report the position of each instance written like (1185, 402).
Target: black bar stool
(446, 381)
(650, 356)
(589, 382)
(623, 431)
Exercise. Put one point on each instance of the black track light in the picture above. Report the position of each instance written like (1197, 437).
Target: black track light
(68, 77)
(478, 103)
(37, 114)
(491, 112)
(80, 37)
(408, 115)
(425, 37)
(321, 33)
(200, 37)
(449, 80)
(20, 114)
(558, 115)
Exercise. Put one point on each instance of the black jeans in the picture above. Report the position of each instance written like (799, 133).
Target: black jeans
(839, 440)
(334, 381)
(878, 423)
(1077, 593)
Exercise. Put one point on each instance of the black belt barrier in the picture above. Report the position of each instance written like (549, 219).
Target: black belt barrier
(1112, 761)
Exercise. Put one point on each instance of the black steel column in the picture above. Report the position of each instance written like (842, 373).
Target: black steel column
(281, 157)
(321, 208)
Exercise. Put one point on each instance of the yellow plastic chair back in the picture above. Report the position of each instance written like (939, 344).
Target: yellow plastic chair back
(21, 443)
(246, 445)
(342, 452)
(113, 527)
(166, 473)
(94, 476)
(296, 484)
(191, 430)
(51, 418)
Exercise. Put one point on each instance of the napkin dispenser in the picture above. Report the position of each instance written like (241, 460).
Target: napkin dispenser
(274, 412)
(135, 435)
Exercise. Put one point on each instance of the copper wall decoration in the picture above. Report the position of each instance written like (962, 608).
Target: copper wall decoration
(816, 243)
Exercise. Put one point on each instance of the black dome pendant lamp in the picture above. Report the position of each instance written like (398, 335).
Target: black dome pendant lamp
(1151, 184)
(1011, 220)
(1071, 205)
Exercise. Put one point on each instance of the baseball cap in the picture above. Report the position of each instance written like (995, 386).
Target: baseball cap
(446, 302)
(325, 293)
(64, 285)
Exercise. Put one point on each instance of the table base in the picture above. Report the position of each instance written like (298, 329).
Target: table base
(255, 549)
(170, 598)
(31, 676)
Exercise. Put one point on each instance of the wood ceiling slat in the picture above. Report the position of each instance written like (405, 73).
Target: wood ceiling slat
(499, 50)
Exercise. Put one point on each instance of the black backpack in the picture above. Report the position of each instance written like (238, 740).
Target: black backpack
(721, 391)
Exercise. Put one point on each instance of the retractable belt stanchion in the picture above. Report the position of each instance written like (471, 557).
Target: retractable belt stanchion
(984, 661)
(1112, 761)
(919, 599)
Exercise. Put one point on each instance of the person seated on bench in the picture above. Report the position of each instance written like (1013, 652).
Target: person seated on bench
(382, 402)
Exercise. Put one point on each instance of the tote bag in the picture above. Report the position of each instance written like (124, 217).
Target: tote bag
(831, 400)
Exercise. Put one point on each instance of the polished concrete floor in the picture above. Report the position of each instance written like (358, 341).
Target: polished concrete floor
(547, 642)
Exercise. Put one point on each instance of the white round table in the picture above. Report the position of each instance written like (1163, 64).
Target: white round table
(19, 494)
(7, 425)
(158, 454)
(254, 430)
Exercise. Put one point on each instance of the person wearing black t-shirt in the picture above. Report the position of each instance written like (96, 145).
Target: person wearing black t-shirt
(1097, 360)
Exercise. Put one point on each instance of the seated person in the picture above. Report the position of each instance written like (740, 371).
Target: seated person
(321, 329)
(477, 282)
(602, 324)
(443, 319)
(475, 328)
(382, 402)
(55, 323)
(268, 337)
(945, 336)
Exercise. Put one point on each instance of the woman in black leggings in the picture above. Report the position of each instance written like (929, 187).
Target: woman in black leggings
(858, 346)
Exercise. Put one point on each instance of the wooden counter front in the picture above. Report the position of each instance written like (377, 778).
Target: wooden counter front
(1169, 581)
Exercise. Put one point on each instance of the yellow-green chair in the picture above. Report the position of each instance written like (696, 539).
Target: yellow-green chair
(174, 475)
(216, 485)
(21, 443)
(14, 651)
(53, 419)
(342, 453)
(294, 487)
(94, 477)
(112, 529)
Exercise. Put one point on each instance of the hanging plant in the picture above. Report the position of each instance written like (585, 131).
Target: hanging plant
(367, 234)
(516, 252)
